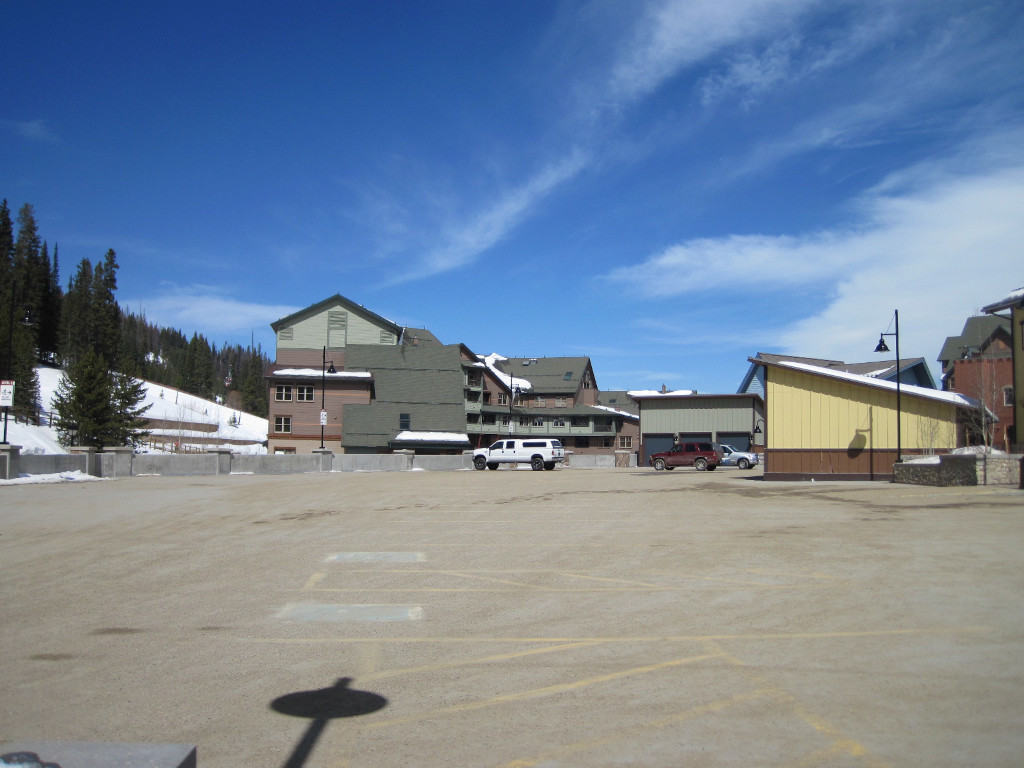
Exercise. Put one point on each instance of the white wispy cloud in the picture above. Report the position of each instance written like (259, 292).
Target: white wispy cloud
(932, 242)
(208, 310)
(466, 240)
(33, 130)
(676, 34)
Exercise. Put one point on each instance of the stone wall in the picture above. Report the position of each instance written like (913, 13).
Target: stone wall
(959, 470)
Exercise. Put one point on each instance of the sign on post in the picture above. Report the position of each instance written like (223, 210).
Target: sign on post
(323, 418)
(6, 394)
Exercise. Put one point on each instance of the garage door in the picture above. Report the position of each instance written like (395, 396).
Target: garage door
(738, 440)
(655, 444)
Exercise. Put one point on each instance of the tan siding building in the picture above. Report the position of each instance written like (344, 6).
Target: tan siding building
(832, 425)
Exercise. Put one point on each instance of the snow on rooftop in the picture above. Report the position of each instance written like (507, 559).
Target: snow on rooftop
(932, 394)
(319, 372)
(616, 411)
(512, 382)
(638, 393)
(431, 437)
(879, 372)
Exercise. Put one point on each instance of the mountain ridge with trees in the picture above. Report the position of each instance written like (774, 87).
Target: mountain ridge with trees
(101, 347)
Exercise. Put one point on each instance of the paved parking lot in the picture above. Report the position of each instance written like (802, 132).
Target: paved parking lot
(517, 618)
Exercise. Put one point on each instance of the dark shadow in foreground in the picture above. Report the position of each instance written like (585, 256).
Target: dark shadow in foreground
(320, 706)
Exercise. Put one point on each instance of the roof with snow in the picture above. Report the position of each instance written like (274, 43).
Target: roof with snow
(432, 437)
(1014, 299)
(954, 398)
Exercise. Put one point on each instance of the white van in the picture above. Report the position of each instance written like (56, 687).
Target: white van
(539, 453)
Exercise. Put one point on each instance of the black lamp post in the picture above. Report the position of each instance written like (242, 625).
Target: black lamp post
(883, 347)
(323, 395)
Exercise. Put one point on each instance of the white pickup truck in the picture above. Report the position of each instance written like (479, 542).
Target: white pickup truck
(539, 453)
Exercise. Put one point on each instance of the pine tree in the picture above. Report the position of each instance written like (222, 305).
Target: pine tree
(18, 259)
(105, 310)
(198, 375)
(254, 391)
(130, 421)
(84, 402)
(77, 319)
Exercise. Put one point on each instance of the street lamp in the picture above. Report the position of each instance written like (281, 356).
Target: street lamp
(512, 392)
(883, 347)
(324, 370)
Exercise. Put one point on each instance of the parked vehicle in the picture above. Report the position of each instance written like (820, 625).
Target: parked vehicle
(539, 453)
(733, 458)
(700, 456)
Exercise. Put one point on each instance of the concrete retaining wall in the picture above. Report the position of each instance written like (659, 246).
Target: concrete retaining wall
(123, 462)
(51, 464)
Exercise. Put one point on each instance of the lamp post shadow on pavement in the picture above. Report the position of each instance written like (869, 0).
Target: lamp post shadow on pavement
(320, 706)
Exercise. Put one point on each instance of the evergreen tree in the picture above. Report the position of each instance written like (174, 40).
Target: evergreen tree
(6, 287)
(49, 321)
(18, 258)
(77, 319)
(84, 402)
(129, 413)
(197, 374)
(105, 310)
(254, 391)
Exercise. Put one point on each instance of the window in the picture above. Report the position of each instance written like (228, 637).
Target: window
(607, 442)
(558, 422)
(304, 393)
(538, 421)
(473, 418)
(506, 420)
(580, 421)
(568, 376)
(524, 421)
(284, 393)
(404, 421)
(559, 402)
(503, 398)
(540, 401)
(625, 442)
(282, 423)
(1008, 396)
(582, 442)
(488, 418)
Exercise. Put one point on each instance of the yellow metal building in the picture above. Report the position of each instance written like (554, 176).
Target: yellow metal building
(826, 424)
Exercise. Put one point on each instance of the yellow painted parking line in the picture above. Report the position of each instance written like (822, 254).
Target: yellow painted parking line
(756, 636)
(584, 576)
(534, 693)
(382, 674)
(553, 755)
(315, 579)
(841, 743)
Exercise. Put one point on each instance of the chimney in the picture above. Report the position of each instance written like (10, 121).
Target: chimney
(664, 389)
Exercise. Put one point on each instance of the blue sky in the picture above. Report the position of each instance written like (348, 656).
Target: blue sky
(667, 187)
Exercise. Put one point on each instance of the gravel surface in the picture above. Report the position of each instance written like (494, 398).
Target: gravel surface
(517, 618)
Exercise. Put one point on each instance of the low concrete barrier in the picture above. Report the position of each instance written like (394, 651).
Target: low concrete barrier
(123, 462)
(51, 463)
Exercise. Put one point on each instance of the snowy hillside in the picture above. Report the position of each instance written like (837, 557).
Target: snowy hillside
(166, 404)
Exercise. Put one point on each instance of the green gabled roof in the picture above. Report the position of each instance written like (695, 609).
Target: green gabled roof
(619, 400)
(548, 375)
(419, 336)
(336, 300)
(426, 382)
(977, 330)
